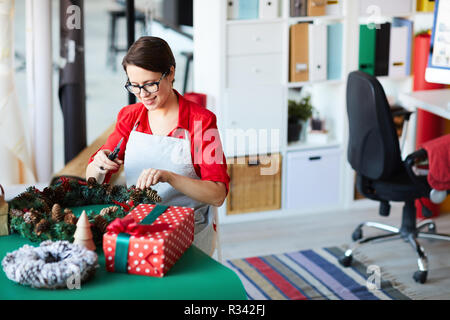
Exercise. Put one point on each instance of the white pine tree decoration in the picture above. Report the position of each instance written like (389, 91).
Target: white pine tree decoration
(83, 234)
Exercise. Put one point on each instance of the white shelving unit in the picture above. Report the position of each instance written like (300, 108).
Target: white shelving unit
(243, 67)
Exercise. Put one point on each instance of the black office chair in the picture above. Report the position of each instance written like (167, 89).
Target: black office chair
(374, 153)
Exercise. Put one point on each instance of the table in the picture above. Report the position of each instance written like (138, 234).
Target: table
(196, 276)
(434, 101)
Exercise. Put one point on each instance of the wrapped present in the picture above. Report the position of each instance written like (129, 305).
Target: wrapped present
(149, 240)
(3, 213)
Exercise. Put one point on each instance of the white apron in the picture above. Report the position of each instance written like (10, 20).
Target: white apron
(146, 151)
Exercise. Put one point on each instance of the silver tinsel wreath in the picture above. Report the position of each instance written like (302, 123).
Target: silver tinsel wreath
(50, 265)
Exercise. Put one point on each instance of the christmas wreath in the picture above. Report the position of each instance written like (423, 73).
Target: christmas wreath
(47, 214)
(51, 265)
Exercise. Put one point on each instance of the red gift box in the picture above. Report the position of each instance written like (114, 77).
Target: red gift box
(148, 249)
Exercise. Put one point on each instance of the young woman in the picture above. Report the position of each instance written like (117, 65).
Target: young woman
(169, 143)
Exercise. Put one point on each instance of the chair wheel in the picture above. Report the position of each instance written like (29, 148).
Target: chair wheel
(346, 261)
(432, 228)
(357, 234)
(420, 276)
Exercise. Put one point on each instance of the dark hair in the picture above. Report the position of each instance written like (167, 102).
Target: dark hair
(150, 53)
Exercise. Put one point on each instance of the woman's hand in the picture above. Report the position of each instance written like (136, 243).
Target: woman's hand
(102, 164)
(149, 177)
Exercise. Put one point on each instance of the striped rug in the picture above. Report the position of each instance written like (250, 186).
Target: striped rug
(310, 275)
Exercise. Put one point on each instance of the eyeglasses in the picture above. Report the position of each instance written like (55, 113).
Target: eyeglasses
(150, 87)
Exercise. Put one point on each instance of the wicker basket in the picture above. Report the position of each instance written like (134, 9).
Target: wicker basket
(255, 184)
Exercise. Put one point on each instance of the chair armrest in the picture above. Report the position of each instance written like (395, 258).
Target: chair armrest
(409, 163)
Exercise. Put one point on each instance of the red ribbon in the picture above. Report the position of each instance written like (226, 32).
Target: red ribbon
(65, 183)
(124, 206)
(128, 225)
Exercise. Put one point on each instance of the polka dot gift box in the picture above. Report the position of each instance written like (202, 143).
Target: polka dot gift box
(149, 240)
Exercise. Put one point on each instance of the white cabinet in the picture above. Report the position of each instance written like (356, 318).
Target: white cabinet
(243, 67)
(254, 70)
(254, 38)
(313, 179)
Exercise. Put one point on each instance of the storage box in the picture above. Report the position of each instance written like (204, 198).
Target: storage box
(148, 242)
(255, 184)
(313, 178)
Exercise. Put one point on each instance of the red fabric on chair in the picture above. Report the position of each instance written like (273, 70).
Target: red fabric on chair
(439, 162)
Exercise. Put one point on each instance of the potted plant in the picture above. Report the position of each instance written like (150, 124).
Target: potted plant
(298, 113)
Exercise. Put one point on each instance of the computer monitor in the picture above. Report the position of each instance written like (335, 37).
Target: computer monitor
(438, 69)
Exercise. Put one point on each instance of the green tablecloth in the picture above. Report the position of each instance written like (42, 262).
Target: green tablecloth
(194, 276)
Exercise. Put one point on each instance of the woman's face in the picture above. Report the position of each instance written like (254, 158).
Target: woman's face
(140, 76)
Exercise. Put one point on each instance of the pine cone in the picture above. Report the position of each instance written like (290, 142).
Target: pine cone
(59, 194)
(152, 195)
(101, 223)
(108, 188)
(32, 216)
(136, 196)
(45, 206)
(47, 193)
(57, 214)
(67, 211)
(41, 227)
(27, 217)
(116, 189)
(15, 213)
(91, 183)
(108, 211)
(70, 218)
(27, 196)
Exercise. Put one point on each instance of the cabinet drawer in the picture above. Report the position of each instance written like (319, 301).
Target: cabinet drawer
(313, 178)
(254, 38)
(255, 70)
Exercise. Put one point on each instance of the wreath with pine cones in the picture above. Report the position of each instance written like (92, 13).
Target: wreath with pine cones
(46, 215)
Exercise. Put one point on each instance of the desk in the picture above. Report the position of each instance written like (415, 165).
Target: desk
(434, 101)
(195, 276)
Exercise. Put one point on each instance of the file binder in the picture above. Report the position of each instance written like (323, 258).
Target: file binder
(333, 8)
(268, 9)
(399, 22)
(317, 52)
(383, 35)
(299, 53)
(334, 51)
(398, 51)
(316, 8)
(425, 5)
(367, 41)
(233, 9)
(298, 8)
(248, 9)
